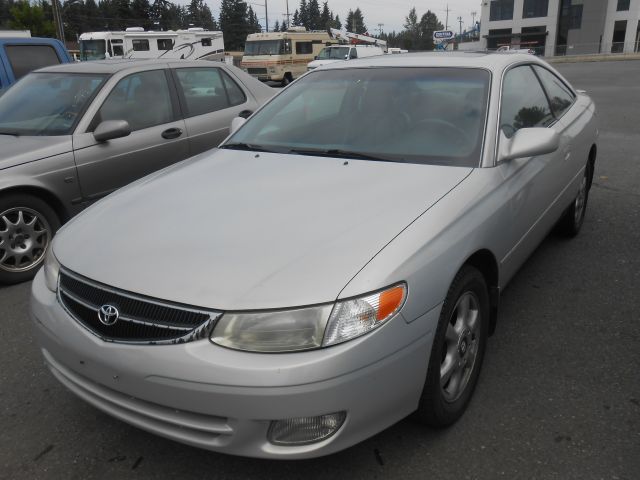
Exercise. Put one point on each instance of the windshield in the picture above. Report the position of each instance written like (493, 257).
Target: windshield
(92, 49)
(418, 115)
(333, 53)
(264, 47)
(47, 103)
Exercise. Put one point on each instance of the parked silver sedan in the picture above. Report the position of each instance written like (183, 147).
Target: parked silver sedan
(71, 134)
(333, 267)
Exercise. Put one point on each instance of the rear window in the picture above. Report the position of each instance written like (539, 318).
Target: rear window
(26, 58)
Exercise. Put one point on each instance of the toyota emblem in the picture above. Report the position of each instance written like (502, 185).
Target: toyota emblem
(108, 315)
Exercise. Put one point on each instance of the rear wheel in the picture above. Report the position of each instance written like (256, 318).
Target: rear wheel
(573, 218)
(27, 225)
(457, 351)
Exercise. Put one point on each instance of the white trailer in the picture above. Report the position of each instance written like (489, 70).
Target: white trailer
(135, 42)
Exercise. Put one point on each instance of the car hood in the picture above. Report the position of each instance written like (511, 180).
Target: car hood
(25, 149)
(235, 230)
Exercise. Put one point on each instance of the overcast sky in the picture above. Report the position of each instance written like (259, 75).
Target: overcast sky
(391, 13)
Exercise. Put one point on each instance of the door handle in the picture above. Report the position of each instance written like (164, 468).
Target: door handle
(245, 114)
(170, 133)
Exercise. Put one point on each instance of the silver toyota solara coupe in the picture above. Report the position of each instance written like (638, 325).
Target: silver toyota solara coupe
(333, 267)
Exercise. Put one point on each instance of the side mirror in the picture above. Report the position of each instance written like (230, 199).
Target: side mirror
(346, 57)
(316, 57)
(236, 123)
(528, 142)
(110, 129)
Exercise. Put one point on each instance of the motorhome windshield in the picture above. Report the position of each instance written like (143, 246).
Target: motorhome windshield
(333, 53)
(264, 47)
(92, 49)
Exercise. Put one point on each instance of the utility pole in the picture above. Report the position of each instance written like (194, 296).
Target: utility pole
(473, 24)
(57, 20)
(460, 20)
(288, 15)
(446, 22)
(380, 25)
(266, 15)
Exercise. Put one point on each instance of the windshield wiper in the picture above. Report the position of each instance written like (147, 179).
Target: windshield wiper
(13, 133)
(245, 146)
(339, 153)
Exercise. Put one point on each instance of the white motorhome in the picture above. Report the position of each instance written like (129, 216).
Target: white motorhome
(135, 42)
(282, 56)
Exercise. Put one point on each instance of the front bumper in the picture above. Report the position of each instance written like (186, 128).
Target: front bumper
(224, 400)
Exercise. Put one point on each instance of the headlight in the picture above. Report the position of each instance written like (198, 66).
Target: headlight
(308, 328)
(51, 270)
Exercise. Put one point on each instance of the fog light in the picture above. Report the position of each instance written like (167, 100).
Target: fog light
(305, 430)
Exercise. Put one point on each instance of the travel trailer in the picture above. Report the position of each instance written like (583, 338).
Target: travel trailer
(282, 56)
(135, 42)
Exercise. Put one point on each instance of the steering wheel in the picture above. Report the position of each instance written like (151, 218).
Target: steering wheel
(443, 123)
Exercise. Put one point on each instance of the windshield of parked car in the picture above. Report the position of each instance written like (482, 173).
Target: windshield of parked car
(417, 115)
(92, 49)
(47, 103)
(264, 47)
(333, 53)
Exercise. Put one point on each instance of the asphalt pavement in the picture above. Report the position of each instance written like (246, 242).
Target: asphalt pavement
(558, 397)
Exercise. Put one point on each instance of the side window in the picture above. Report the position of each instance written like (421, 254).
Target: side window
(353, 53)
(203, 90)
(142, 99)
(25, 58)
(235, 93)
(304, 47)
(206, 42)
(117, 49)
(560, 97)
(524, 103)
(165, 44)
(140, 45)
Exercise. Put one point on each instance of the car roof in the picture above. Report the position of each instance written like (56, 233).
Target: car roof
(491, 61)
(117, 65)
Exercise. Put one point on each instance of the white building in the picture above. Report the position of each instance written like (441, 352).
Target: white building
(562, 27)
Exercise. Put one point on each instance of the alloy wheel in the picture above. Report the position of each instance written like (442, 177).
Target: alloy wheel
(460, 347)
(24, 237)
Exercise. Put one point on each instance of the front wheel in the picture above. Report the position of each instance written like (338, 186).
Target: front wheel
(457, 351)
(573, 218)
(27, 225)
(287, 79)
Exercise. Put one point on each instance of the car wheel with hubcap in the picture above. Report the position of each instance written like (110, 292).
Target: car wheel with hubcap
(573, 218)
(457, 351)
(27, 225)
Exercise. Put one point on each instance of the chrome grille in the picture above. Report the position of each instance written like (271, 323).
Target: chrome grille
(140, 319)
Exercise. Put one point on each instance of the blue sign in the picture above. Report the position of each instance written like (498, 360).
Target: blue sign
(443, 35)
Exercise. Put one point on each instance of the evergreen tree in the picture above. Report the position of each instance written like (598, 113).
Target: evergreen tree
(276, 26)
(326, 17)
(26, 16)
(355, 22)
(429, 23)
(283, 27)
(337, 23)
(296, 18)
(313, 13)
(412, 29)
(234, 22)
(141, 14)
(303, 17)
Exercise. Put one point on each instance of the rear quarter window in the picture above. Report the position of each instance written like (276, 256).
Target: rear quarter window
(26, 58)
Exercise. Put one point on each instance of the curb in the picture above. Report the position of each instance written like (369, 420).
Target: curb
(594, 58)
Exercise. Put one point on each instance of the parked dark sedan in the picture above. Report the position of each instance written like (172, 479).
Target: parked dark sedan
(71, 134)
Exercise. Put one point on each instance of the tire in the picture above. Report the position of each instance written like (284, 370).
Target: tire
(27, 225)
(457, 351)
(572, 219)
(286, 80)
